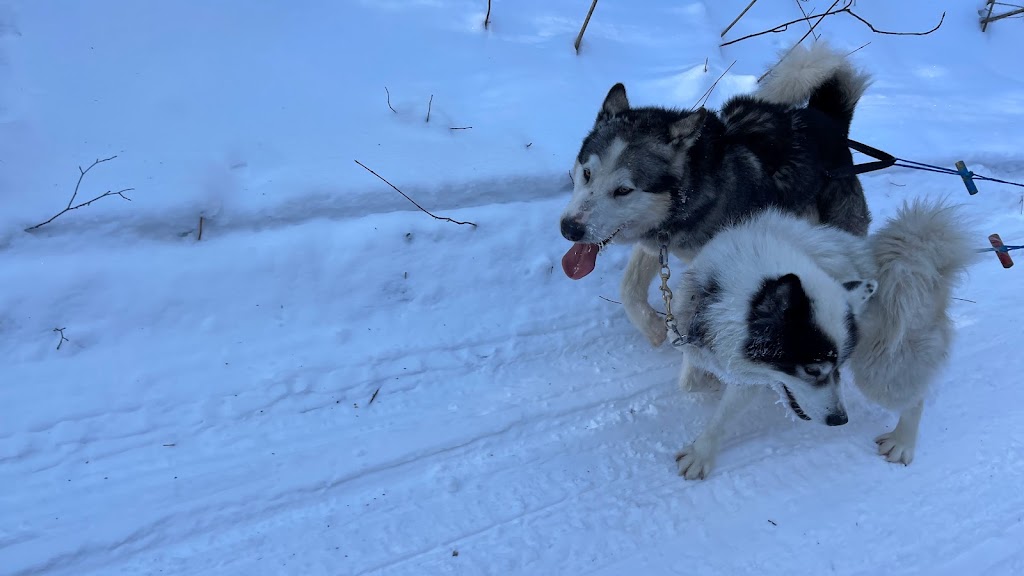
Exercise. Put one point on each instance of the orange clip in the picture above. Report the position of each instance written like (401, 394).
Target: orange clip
(1001, 252)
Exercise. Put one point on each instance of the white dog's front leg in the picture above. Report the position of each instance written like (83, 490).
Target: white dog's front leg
(636, 283)
(898, 445)
(695, 461)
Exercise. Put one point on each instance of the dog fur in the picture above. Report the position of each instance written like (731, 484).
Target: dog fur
(645, 175)
(778, 301)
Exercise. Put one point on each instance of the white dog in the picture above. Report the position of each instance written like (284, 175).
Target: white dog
(778, 301)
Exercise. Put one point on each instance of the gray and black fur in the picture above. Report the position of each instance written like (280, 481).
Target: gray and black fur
(648, 173)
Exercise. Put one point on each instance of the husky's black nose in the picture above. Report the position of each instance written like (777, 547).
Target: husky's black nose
(572, 230)
(836, 419)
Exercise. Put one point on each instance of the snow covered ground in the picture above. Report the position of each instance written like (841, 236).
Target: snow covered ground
(332, 382)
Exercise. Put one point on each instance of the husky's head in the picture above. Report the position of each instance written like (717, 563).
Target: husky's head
(626, 171)
(802, 335)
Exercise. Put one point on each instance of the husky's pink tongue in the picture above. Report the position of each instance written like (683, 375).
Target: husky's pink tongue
(580, 260)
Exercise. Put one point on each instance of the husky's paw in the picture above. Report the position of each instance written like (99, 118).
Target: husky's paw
(694, 463)
(652, 325)
(895, 448)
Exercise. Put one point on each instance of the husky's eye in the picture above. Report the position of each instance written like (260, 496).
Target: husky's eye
(586, 175)
(622, 191)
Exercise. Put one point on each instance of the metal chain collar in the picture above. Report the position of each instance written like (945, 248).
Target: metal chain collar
(674, 336)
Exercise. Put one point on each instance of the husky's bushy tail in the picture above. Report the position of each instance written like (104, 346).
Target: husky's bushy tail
(921, 255)
(821, 77)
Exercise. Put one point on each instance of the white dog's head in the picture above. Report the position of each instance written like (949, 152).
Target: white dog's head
(799, 334)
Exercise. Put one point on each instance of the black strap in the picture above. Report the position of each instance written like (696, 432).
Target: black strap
(884, 160)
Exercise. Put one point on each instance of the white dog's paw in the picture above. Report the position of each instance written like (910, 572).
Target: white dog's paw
(694, 463)
(895, 448)
(695, 380)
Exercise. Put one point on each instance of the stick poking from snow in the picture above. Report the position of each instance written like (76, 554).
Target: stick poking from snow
(436, 217)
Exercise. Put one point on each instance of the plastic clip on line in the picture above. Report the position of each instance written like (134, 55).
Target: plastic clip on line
(968, 178)
(1002, 251)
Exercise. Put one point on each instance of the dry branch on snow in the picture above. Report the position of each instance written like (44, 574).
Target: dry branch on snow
(71, 202)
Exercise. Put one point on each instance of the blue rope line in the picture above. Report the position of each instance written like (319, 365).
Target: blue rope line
(1003, 249)
(944, 170)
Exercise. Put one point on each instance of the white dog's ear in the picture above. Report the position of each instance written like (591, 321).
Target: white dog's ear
(683, 133)
(858, 292)
(615, 103)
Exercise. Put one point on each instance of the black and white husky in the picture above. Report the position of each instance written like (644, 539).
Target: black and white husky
(650, 175)
(777, 301)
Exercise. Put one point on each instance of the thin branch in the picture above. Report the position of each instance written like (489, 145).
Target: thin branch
(733, 23)
(804, 12)
(620, 303)
(800, 41)
(429, 104)
(579, 37)
(1001, 16)
(374, 397)
(984, 21)
(62, 338)
(461, 128)
(487, 18)
(389, 100)
(704, 98)
(571, 179)
(830, 12)
(784, 27)
(200, 236)
(861, 46)
(877, 31)
(81, 176)
(964, 300)
(446, 219)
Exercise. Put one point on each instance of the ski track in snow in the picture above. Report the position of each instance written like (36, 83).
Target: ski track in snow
(211, 410)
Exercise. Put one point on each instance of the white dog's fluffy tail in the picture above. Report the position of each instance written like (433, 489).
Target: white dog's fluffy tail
(821, 77)
(921, 255)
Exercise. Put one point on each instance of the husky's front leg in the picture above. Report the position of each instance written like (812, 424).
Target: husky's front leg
(636, 283)
(898, 445)
(695, 461)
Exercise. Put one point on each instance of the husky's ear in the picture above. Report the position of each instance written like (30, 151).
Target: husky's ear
(615, 103)
(780, 303)
(683, 133)
(858, 292)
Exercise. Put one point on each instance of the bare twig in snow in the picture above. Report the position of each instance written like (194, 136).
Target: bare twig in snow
(200, 236)
(804, 12)
(802, 38)
(374, 397)
(984, 20)
(528, 145)
(703, 99)
(579, 37)
(429, 104)
(571, 179)
(81, 175)
(388, 92)
(964, 300)
(63, 339)
(705, 64)
(864, 45)
(487, 18)
(991, 18)
(737, 19)
(845, 9)
(446, 219)
(620, 303)
(461, 128)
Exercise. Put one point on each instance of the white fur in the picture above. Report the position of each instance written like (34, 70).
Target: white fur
(906, 333)
(904, 328)
(800, 72)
